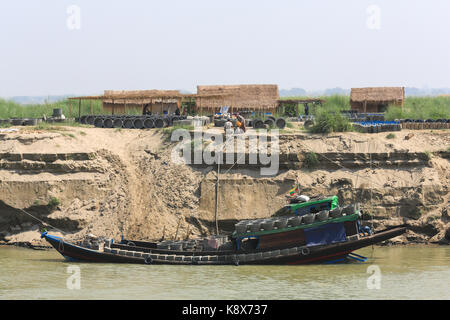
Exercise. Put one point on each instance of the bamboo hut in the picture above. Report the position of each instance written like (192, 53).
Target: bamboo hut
(146, 101)
(253, 97)
(376, 99)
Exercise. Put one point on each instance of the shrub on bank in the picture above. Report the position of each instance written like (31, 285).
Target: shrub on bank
(311, 160)
(54, 202)
(327, 122)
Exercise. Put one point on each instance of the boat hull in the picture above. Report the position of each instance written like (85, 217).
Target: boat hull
(287, 256)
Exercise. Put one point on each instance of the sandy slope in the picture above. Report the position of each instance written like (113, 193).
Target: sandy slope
(132, 187)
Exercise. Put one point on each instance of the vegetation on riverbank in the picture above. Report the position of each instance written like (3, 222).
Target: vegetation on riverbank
(10, 109)
(328, 117)
(414, 108)
(421, 108)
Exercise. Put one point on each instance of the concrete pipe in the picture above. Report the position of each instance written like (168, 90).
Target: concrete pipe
(257, 124)
(309, 123)
(268, 224)
(309, 218)
(280, 123)
(336, 212)
(128, 123)
(270, 122)
(295, 221)
(161, 123)
(281, 223)
(17, 121)
(83, 119)
(255, 226)
(241, 227)
(138, 123)
(98, 122)
(57, 112)
(108, 123)
(322, 215)
(149, 123)
(350, 209)
(30, 122)
(90, 120)
(117, 123)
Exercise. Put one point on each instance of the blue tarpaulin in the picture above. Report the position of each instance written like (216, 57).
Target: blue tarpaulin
(326, 234)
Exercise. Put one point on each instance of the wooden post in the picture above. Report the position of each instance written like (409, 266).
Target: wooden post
(216, 213)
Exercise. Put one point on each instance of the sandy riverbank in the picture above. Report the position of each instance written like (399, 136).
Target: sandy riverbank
(114, 182)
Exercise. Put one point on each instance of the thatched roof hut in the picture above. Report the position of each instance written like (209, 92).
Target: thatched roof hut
(376, 99)
(154, 101)
(256, 97)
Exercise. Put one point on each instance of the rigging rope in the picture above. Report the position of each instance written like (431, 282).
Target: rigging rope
(44, 223)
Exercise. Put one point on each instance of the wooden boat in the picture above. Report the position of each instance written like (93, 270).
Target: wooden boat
(317, 231)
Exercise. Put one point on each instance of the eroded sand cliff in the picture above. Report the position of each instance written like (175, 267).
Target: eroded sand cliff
(112, 182)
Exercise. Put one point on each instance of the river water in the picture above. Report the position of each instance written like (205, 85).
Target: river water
(403, 272)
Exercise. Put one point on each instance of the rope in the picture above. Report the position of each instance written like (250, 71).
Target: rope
(44, 223)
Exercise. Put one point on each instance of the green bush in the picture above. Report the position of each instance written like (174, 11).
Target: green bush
(311, 160)
(326, 121)
(390, 136)
(54, 202)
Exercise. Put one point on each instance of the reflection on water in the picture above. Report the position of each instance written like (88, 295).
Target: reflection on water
(413, 272)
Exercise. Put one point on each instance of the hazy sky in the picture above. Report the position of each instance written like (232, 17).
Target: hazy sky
(180, 44)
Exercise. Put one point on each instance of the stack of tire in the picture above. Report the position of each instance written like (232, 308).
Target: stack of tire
(130, 121)
(21, 121)
(425, 124)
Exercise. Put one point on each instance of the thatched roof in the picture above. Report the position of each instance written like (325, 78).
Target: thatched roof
(249, 96)
(86, 98)
(140, 96)
(297, 101)
(377, 94)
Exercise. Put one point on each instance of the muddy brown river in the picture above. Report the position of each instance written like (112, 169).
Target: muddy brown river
(401, 272)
